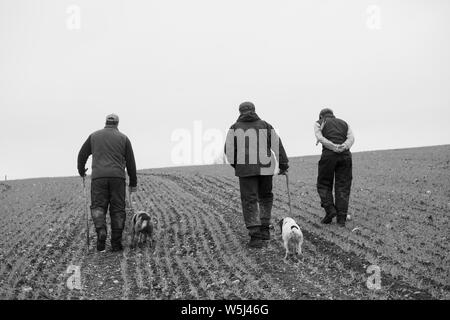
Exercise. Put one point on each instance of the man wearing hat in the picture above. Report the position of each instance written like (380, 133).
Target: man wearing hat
(111, 153)
(250, 148)
(335, 165)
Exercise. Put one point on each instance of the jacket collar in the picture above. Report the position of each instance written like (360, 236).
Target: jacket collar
(248, 117)
(324, 119)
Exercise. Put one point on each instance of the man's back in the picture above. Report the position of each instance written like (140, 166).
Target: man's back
(253, 156)
(111, 153)
(335, 130)
(108, 153)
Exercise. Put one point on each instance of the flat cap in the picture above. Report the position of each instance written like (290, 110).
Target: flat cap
(112, 117)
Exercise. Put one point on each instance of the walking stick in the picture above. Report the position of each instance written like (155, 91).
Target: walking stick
(289, 193)
(87, 212)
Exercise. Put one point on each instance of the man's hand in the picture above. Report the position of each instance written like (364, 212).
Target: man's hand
(132, 189)
(283, 169)
(83, 172)
(338, 148)
(341, 148)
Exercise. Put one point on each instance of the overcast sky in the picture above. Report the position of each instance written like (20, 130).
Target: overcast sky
(383, 66)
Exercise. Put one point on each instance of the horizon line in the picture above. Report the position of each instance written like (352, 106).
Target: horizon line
(218, 164)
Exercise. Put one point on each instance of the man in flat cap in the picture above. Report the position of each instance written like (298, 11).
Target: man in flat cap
(335, 165)
(111, 153)
(251, 148)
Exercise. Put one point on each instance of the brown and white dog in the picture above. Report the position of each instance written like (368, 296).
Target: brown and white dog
(142, 227)
(292, 236)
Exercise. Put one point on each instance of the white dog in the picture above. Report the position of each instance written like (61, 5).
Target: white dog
(292, 236)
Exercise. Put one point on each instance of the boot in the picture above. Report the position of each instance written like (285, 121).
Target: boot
(265, 208)
(330, 214)
(341, 218)
(99, 218)
(255, 242)
(265, 233)
(255, 238)
(101, 239)
(116, 248)
(116, 240)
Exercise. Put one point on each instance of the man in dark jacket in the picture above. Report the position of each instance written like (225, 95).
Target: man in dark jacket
(249, 146)
(335, 165)
(111, 153)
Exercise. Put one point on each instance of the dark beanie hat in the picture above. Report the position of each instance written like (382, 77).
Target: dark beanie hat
(325, 111)
(245, 107)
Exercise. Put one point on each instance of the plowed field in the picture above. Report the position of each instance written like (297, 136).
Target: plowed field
(400, 208)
